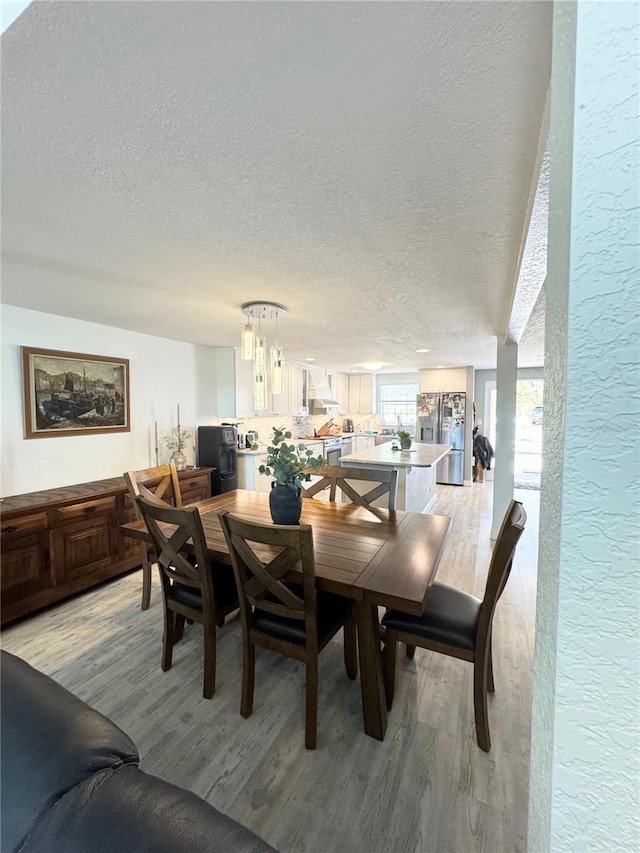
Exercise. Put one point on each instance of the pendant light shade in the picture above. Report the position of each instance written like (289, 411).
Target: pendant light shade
(277, 370)
(260, 374)
(254, 347)
(248, 342)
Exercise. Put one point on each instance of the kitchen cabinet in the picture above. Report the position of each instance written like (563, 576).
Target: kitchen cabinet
(249, 476)
(58, 542)
(445, 379)
(294, 400)
(342, 391)
(361, 393)
(290, 402)
(363, 442)
(234, 384)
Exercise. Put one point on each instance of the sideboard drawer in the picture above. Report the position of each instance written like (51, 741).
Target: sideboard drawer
(86, 509)
(195, 488)
(25, 524)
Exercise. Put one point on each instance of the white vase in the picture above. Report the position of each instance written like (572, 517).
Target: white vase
(179, 460)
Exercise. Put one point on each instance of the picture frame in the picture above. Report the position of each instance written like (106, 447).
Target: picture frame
(71, 393)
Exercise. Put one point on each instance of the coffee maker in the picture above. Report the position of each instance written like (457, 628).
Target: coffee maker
(347, 425)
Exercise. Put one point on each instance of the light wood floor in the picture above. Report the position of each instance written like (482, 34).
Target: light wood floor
(427, 787)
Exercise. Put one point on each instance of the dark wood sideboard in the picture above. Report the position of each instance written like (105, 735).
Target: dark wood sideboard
(62, 541)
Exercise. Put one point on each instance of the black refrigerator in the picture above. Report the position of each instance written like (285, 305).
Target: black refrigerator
(440, 419)
(217, 448)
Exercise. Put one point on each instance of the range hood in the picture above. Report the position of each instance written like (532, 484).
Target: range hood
(321, 399)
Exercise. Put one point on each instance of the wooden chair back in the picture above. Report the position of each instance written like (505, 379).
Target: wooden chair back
(171, 530)
(509, 535)
(262, 556)
(154, 481)
(336, 477)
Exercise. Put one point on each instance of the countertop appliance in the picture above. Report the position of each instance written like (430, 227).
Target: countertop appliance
(217, 448)
(440, 419)
(347, 425)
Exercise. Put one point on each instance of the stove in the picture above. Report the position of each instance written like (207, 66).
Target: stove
(327, 440)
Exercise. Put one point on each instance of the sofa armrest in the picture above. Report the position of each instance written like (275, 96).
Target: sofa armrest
(126, 809)
(51, 741)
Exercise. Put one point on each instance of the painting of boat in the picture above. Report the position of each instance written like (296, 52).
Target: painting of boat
(69, 403)
(71, 394)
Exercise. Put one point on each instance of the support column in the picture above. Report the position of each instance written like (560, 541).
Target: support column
(506, 379)
(585, 736)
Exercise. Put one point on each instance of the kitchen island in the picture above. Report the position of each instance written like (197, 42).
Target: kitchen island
(416, 471)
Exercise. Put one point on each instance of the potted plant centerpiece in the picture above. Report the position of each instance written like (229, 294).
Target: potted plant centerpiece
(289, 465)
(405, 439)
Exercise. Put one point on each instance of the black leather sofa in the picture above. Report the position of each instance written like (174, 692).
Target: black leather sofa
(71, 784)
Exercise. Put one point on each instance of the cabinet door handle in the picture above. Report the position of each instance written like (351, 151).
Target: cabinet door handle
(90, 509)
(10, 529)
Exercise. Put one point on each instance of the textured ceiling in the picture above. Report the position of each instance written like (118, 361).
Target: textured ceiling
(370, 165)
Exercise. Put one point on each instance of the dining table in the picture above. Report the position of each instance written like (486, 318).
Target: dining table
(377, 557)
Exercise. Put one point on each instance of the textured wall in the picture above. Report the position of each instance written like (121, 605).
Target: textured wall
(585, 736)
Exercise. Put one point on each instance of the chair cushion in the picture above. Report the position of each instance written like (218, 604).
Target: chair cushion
(450, 616)
(333, 611)
(224, 589)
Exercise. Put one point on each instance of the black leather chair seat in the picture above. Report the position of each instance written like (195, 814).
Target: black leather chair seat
(224, 589)
(450, 616)
(332, 611)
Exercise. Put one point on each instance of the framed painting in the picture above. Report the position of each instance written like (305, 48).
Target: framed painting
(70, 393)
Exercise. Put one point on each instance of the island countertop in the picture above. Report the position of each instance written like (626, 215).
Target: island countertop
(419, 456)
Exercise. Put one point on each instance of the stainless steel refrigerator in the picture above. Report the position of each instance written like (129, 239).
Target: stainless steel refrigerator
(440, 419)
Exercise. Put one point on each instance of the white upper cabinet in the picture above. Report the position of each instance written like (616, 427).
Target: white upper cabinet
(361, 393)
(234, 384)
(342, 391)
(444, 379)
(281, 403)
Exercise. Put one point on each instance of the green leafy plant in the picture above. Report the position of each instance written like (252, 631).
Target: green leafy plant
(402, 433)
(286, 463)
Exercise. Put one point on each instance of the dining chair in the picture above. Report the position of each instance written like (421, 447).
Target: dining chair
(458, 624)
(281, 614)
(193, 587)
(160, 481)
(334, 477)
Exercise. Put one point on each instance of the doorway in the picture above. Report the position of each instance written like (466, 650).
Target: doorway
(529, 416)
(528, 441)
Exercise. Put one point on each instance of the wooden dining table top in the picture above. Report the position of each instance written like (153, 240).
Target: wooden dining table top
(380, 556)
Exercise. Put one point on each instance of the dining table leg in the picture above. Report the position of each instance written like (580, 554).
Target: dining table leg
(374, 707)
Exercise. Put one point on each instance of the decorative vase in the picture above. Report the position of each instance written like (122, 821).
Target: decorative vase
(285, 504)
(405, 444)
(179, 460)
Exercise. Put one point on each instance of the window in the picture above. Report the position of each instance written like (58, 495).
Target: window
(398, 404)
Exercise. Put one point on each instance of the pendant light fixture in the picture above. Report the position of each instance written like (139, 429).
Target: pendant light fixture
(255, 347)
(248, 342)
(260, 373)
(277, 365)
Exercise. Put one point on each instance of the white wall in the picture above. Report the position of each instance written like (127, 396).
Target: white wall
(163, 373)
(585, 746)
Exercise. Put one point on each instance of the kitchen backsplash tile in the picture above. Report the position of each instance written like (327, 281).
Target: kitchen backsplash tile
(301, 426)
